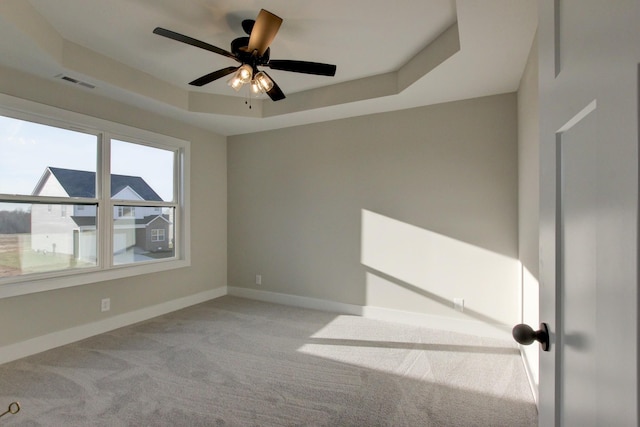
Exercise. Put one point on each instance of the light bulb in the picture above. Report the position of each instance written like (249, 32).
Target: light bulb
(244, 73)
(235, 83)
(256, 88)
(265, 83)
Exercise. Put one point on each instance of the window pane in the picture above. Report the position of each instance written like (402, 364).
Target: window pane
(38, 238)
(36, 159)
(139, 172)
(144, 235)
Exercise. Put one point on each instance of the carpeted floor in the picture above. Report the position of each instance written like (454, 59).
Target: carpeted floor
(237, 362)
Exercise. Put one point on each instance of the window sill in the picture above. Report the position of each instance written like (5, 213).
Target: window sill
(25, 287)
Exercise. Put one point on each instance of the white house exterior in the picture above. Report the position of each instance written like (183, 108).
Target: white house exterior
(71, 229)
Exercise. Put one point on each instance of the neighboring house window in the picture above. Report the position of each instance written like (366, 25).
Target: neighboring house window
(109, 206)
(126, 211)
(157, 235)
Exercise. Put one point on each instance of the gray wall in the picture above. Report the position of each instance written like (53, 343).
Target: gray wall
(33, 315)
(529, 203)
(404, 210)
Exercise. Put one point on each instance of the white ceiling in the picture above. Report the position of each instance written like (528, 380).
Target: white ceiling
(389, 56)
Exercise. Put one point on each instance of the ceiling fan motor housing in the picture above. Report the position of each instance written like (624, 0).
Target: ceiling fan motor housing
(240, 48)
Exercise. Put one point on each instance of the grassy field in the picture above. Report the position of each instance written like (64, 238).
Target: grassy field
(17, 257)
(10, 248)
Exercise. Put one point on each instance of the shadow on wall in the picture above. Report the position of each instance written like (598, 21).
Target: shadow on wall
(413, 269)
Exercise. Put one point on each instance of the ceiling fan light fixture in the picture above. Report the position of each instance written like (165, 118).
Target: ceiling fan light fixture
(256, 88)
(235, 83)
(251, 52)
(242, 76)
(262, 80)
(245, 73)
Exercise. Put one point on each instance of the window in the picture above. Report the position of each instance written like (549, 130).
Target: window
(126, 211)
(138, 239)
(78, 201)
(143, 188)
(157, 235)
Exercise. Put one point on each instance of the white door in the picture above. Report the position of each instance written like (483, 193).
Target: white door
(588, 81)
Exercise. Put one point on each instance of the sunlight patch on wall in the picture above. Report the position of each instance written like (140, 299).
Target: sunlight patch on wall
(419, 270)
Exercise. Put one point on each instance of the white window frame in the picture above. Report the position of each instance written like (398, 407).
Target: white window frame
(105, 130)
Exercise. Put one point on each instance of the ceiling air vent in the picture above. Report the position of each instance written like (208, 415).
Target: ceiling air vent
(75, 81)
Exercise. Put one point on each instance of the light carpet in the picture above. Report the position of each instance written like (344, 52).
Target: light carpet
(238, 362)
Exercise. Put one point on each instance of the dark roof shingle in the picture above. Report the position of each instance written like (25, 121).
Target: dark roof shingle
(82, 184)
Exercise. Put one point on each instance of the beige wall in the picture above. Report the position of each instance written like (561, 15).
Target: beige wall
(529, 165)
(33, 315)
(403, 210)
(529, 204)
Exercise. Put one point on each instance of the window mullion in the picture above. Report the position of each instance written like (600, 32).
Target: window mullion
(121, 202)
(183, 197)
(177, 198)
(43, 200)
(103, 190)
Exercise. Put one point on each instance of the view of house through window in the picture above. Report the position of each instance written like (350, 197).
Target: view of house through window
(50, 201)
(144, 175)
(34, 240)
(137, 239)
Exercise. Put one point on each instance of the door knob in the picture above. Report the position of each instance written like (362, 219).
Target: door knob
(525, 335)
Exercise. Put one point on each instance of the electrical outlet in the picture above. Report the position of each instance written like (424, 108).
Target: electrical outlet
(258, 279)
(458, 304)
(105, 304)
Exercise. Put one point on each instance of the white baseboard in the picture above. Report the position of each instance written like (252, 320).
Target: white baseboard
(530, 377)
(296, 301)
(465, 326)
(77, 333)
(443, 323)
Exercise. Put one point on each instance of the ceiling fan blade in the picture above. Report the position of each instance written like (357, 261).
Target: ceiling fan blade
(247, 25)
(303, 67)
(264, 31)
(276, 94)
(193, 42)
(213, 76)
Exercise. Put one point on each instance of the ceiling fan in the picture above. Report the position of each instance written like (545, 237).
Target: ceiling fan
(252, 52)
